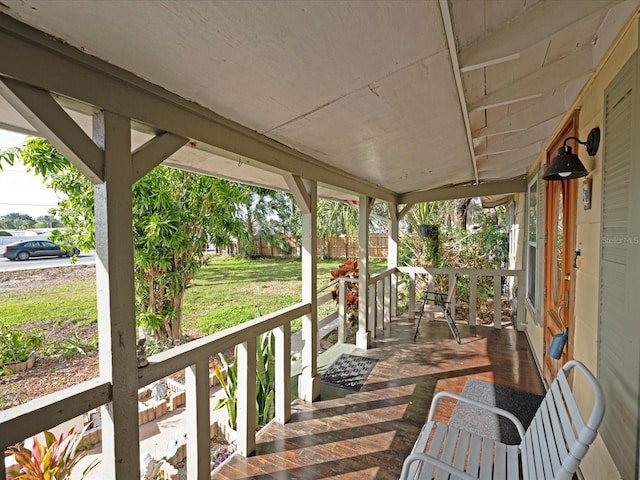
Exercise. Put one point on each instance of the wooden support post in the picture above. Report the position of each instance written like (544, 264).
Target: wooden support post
(520, 302)
(412, 294)
(363, 336)
(392, 258)
(246, 407)
(380, 293)
(497, 302)
(197, 420)
(309, 380)
(372, 320)
(283, 373)
(116, 297)
(342, 311)
(473, 299)
(388, 298)
(453, 298)
(431, 287)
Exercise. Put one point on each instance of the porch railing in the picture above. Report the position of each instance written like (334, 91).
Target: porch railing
(514, 282)
(24, 421)
(47, 412)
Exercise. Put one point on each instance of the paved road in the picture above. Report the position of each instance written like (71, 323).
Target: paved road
(7, 265)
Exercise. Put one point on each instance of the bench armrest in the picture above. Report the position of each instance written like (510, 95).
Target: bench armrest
(484, 406)
(426, 458)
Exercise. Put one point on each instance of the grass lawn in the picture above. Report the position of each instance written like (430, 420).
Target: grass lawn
(224, 293)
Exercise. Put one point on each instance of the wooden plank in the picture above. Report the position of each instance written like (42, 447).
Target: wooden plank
(551, 436)
(528, 459)
(473, 300)
(436, 444)
(513, 461)
(497, 301)
(500, 462)
(536, 443)
(181, 356)
(420, 446)
(570, 402)
(282, 336)
(246, 397)
(473, 464)
(44, 413)
(197, 419)
(448, 451)
(565, 421)
(556, 426)
(545, 438)
(462, 451)
(486, 460)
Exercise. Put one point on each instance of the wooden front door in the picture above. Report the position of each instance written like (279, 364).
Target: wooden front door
(560, 227)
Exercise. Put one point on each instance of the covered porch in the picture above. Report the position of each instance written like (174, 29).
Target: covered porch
(365, 102)
(367, 434)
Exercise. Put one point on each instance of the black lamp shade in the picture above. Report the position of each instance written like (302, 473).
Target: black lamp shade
(565, 166)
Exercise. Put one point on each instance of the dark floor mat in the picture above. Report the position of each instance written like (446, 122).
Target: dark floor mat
(349, 371)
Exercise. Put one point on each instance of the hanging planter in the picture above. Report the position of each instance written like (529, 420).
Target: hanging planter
(429, 231)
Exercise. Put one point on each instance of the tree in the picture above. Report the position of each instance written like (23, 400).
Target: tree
(49, 221)
(175, 214)
(269, 215)
(17, 221)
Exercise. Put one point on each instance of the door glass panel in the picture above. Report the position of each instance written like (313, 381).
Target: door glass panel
(558, 251)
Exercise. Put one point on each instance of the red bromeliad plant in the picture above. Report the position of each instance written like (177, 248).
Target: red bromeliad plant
(347, 269)
(53, 460)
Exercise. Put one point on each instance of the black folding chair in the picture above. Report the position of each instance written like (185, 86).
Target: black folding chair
(440, 302)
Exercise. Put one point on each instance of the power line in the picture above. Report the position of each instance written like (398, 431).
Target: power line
(30, 204)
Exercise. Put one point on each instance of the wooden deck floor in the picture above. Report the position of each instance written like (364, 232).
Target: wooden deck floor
(367, 434)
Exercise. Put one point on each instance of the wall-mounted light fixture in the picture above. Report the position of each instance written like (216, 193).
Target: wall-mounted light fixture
(567, 164)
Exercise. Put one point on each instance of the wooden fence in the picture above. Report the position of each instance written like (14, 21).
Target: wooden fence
(330, 247)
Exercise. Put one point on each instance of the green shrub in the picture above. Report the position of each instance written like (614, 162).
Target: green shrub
(265, 382)
(16, 345)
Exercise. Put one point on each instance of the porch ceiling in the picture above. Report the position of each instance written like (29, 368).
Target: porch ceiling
(373, 90)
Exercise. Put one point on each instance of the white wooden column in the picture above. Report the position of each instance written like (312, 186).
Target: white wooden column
(306, 196)
(198, 420)
(392, 257)
(116, 299)
(246, 398)
(363, 336)
(283, 373)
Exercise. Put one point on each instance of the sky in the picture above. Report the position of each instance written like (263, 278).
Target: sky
(21, 191)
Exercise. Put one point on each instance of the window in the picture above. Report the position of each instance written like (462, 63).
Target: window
(532, 240)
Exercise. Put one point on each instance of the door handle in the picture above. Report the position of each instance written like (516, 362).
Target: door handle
(564, 304)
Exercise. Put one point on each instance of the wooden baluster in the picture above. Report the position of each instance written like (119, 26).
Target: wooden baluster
(197, 420)
(246, 408)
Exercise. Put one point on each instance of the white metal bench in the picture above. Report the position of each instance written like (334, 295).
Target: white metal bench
(551, 448)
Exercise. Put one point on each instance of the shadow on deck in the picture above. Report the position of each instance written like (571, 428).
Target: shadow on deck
(367, 434)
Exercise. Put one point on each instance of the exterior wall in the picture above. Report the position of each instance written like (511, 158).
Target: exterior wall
(597, 464)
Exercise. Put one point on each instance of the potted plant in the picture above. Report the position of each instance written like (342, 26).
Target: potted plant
(17, 349)
(348, 269)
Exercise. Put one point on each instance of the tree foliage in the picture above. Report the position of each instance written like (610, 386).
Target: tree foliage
(17, 221)
(175, 214)
(269, 215)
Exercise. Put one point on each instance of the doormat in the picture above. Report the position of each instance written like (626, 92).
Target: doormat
(522, 404)
(349, 371)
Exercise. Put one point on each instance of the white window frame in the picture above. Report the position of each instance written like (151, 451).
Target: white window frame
(532, 243)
